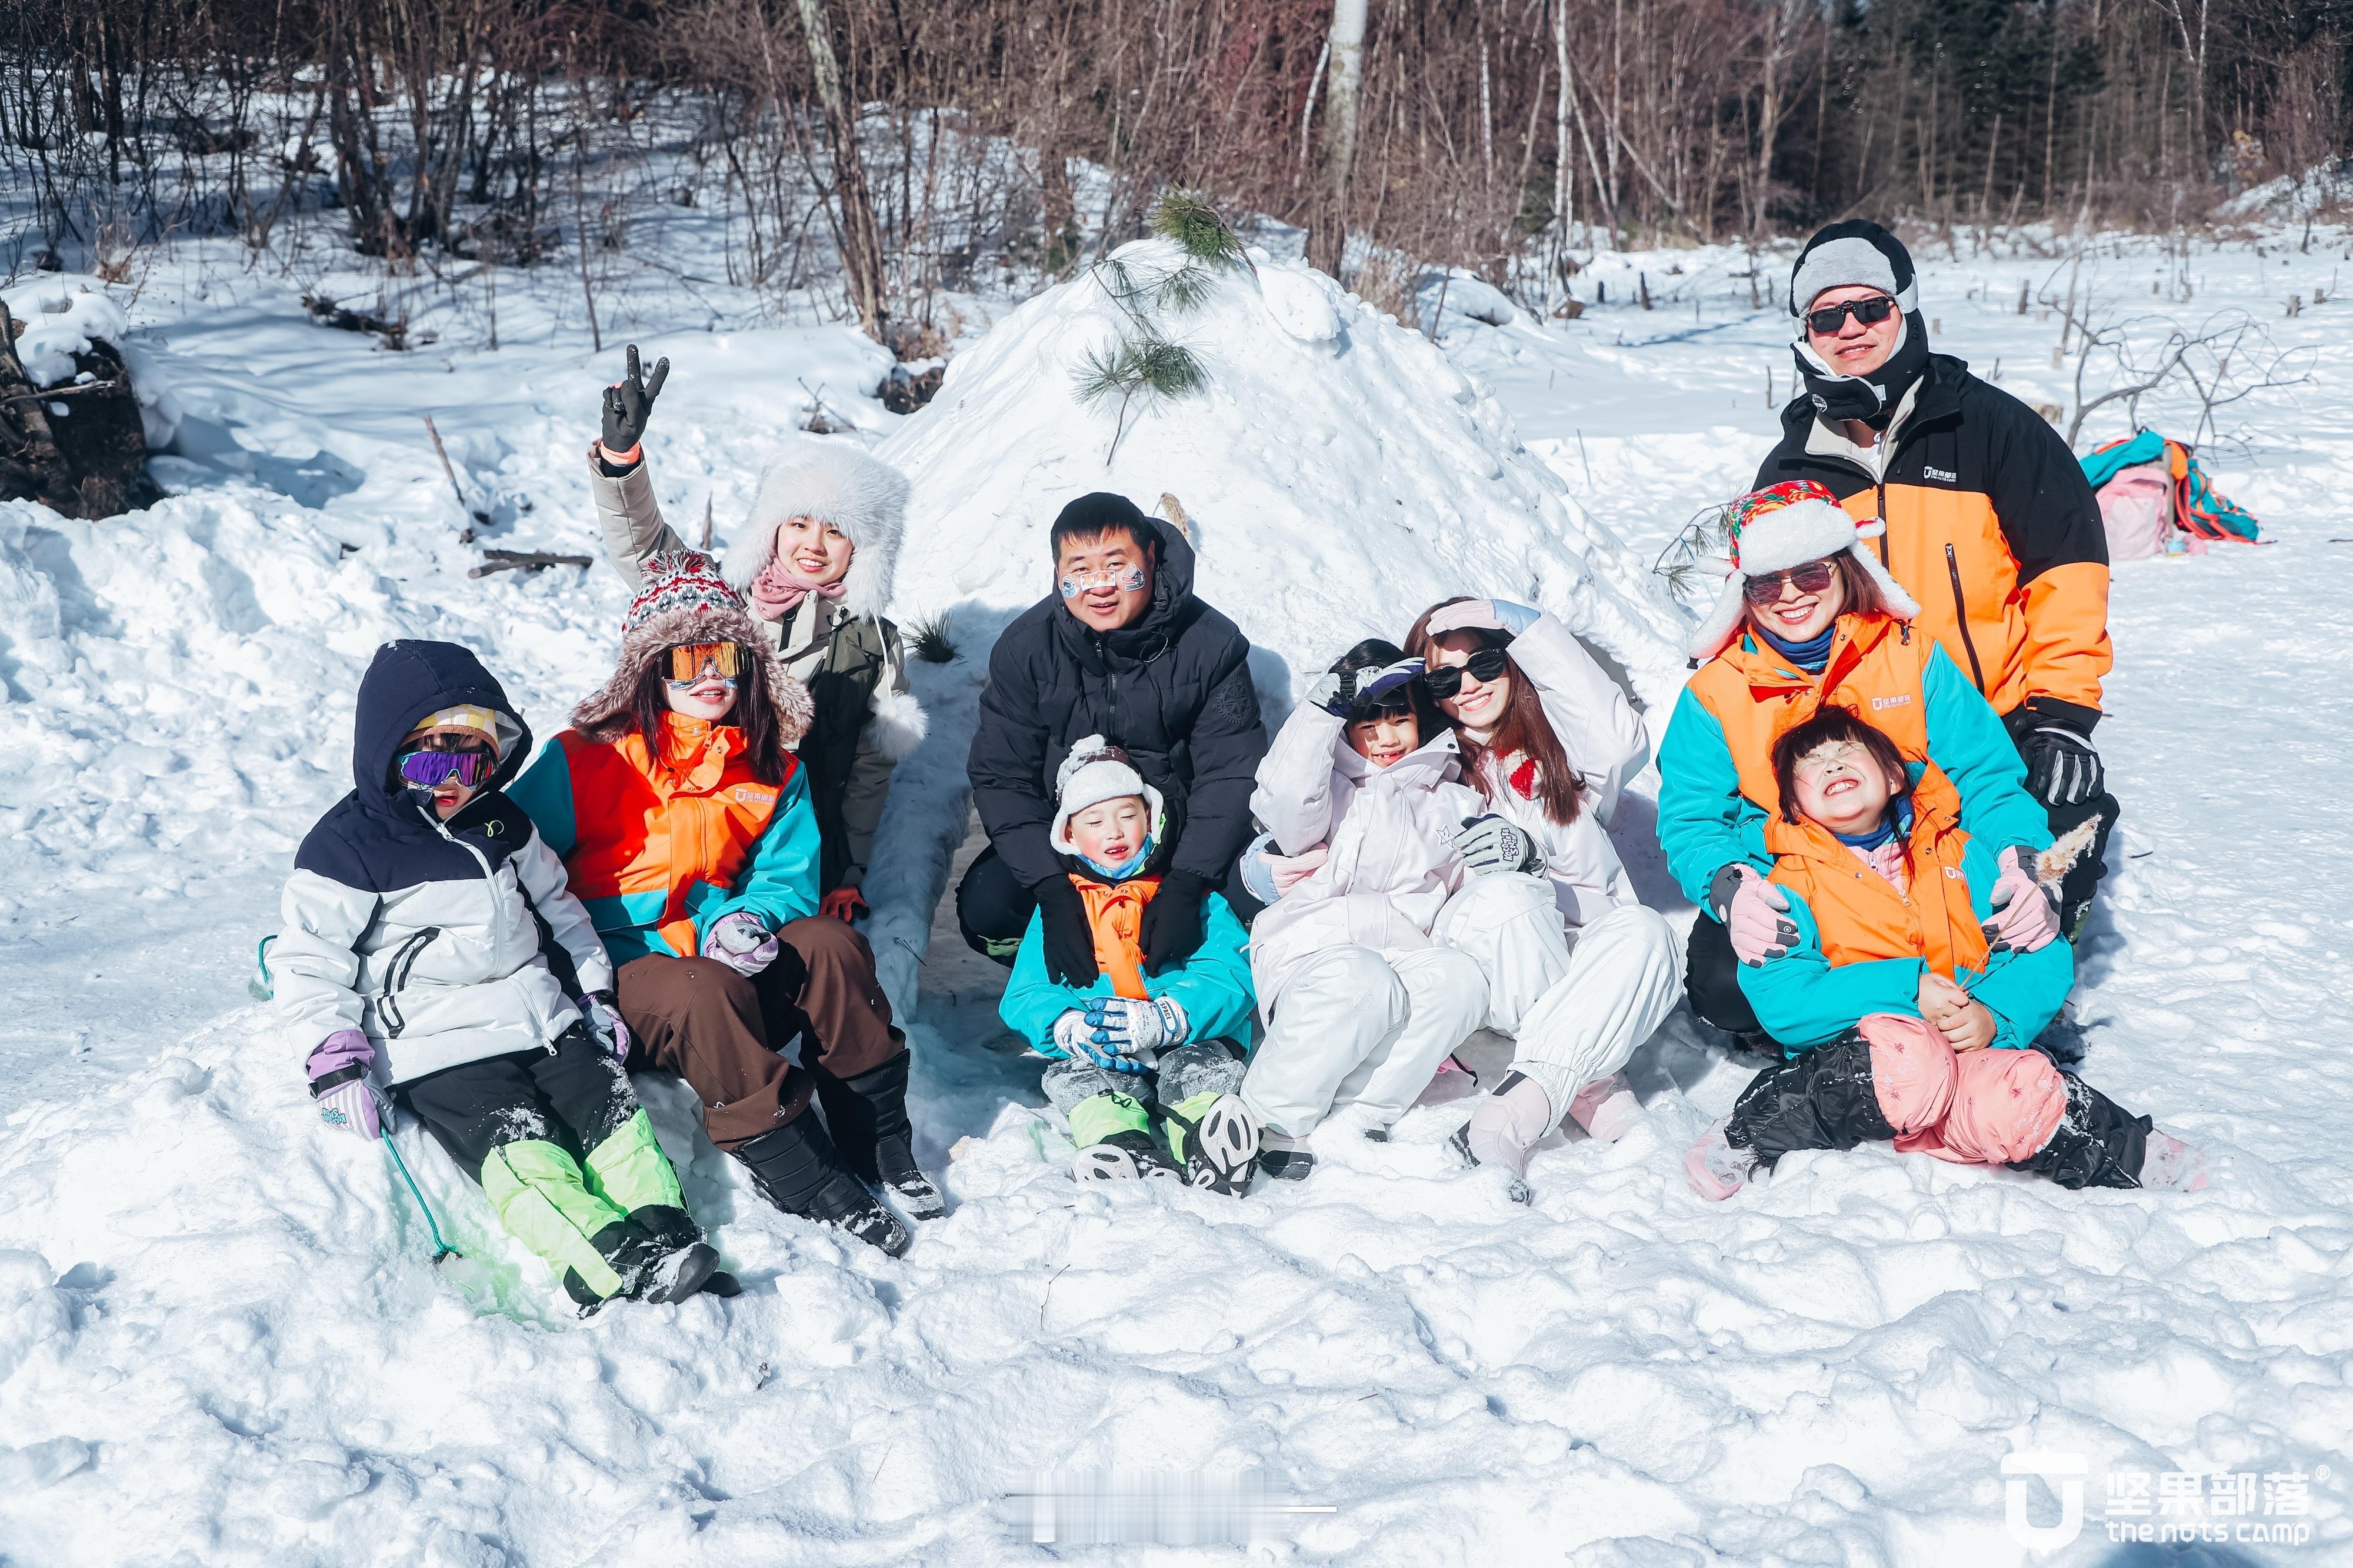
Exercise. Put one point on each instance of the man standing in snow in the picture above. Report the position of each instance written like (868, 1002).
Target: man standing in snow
(1990, 524)
(1123, 649)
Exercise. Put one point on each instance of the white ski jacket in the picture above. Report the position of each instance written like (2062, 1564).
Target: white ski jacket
(1390, 833)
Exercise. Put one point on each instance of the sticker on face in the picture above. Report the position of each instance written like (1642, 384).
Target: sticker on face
(1126, 579)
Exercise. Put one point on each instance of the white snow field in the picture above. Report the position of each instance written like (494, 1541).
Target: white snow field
(222, 1339)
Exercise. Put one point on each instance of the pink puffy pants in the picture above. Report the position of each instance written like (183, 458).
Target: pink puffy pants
(1974, 1107)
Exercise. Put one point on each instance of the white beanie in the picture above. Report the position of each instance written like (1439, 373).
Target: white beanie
(1096, 771)
(1786, 525)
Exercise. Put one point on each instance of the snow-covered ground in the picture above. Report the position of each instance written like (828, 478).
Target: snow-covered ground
(221, 1340)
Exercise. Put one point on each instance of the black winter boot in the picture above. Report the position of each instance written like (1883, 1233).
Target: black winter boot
(674, 1261)
(2097, 1144)
(868, 1116)
(796, 1168)
(1823, 1099)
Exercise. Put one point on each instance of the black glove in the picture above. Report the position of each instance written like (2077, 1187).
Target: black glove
(1069, 935)
(2061, 768)
(628, 404)
(1172, 920)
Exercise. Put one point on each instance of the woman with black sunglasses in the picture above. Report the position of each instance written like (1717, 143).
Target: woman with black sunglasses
(1810, 619)
(1579, 972)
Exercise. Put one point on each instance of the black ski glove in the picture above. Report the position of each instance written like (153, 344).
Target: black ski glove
(2061, 768)
(1069, 935)
(629, 403)
(1172, 920)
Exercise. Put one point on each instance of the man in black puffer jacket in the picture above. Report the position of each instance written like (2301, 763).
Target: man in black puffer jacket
(1123, 649)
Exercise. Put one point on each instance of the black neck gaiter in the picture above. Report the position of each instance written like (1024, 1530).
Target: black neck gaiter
(1871, 398)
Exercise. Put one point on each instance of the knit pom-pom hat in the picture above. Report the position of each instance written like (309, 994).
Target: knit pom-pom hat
(1786, 525)
(683, 599)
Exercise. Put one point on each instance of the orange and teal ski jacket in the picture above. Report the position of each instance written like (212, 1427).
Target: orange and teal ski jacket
(1715, 763)
(659, 848)
(1990, 525)
(1863, 945)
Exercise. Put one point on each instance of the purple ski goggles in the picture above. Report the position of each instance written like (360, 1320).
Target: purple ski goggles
(431, 770)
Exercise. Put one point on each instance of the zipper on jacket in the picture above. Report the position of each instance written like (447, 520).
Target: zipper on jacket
(1883, 520)
(1961, 610)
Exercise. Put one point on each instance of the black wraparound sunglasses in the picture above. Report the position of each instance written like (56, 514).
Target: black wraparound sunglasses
(1870, 312)
(1483, 667)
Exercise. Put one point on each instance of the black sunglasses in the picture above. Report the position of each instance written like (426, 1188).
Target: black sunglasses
(1483, 667)
(1870, 312)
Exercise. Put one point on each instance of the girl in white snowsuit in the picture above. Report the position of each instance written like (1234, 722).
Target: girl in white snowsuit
(1361, 796)
(1578, 971)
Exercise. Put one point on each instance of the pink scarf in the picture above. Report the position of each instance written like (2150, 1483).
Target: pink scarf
(778, 591)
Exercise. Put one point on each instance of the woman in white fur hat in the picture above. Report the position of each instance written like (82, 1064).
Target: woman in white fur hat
(813, 563)
(1810, 618)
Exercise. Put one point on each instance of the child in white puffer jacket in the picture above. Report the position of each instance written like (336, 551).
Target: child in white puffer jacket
(1362, 798)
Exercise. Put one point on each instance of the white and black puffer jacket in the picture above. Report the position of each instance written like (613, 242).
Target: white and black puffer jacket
(1390, 834)
(417, 932)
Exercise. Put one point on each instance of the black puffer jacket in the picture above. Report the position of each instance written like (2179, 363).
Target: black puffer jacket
(1174, 689)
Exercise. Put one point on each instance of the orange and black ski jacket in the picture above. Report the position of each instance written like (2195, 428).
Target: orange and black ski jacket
(1990, 525)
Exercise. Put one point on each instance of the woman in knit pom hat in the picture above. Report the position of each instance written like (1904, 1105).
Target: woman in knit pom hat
(813, 564)
(684, 820)
(1809, 618)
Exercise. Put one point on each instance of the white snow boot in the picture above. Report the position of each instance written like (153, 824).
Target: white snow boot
(2169, 1165)
(1606, 1108)
(1714, 1168)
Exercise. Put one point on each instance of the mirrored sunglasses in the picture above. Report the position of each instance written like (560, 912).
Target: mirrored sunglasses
(1814, 577)
(690, 664)
(1481, 667)
(431, 770)
(1870, 312)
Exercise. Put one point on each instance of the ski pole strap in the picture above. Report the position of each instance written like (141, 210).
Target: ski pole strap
(441, 1248)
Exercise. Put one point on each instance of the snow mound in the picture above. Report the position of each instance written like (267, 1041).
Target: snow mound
(1341, 473)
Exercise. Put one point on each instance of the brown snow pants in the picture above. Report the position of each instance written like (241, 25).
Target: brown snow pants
(724, 1031)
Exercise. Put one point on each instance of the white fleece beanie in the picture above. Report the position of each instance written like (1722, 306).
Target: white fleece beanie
(1096, 771)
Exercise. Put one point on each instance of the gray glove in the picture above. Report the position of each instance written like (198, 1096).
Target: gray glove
(1491, 844)
(628, 402)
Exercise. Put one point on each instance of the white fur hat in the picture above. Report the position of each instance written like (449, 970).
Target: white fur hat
(1786, 525)
(1096, 771)
(837, 482)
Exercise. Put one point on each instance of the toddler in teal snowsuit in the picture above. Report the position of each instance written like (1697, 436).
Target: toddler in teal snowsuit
(1118, 1037)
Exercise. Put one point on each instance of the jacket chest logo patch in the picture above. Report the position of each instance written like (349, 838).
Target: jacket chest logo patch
(1953, 873)
(1946, 474)
(1880, 703)
(751, 795)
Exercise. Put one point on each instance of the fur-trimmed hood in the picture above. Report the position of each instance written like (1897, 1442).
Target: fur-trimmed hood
(843, 485)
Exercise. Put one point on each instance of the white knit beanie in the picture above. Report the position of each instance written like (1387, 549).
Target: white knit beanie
(1096, 771)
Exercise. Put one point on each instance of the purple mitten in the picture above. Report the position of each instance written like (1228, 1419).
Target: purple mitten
(602, 1011)
(339, 1084)
(742, 941)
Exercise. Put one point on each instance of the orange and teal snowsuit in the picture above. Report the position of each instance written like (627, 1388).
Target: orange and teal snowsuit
(1213, 986)
(1716, 787)
(658, 853)
(1863, 943)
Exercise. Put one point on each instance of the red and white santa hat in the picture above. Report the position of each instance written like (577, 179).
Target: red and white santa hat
(1786, 525)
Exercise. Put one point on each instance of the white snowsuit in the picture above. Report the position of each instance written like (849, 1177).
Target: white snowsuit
(1577, 971)
(1361, 1004)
